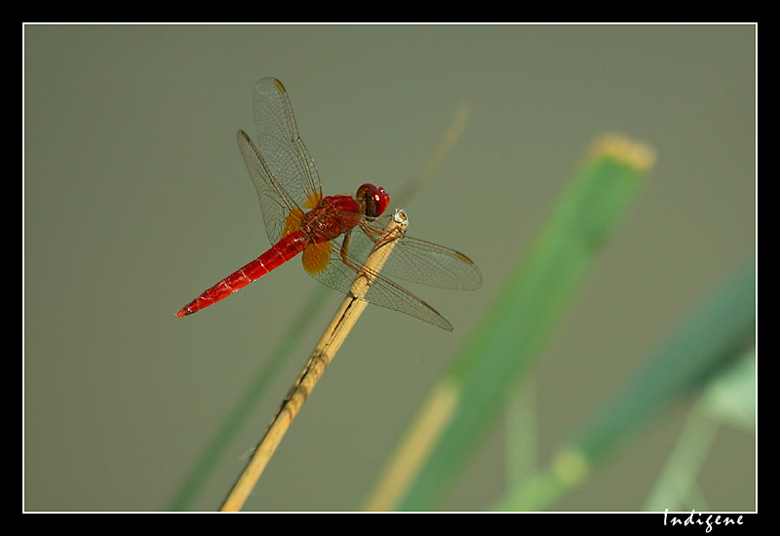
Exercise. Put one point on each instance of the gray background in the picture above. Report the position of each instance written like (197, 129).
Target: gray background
(136, 199)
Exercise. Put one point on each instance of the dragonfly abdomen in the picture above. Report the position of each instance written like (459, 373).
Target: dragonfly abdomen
(284, 250)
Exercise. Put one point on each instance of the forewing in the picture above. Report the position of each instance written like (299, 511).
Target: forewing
(282, 171)
(280, 144)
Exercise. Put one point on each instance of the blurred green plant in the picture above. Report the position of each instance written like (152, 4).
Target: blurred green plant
(690, 361)
(730, 398)
(465, 403)
(497, 360)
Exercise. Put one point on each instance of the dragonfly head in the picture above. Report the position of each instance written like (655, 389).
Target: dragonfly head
(374, 198)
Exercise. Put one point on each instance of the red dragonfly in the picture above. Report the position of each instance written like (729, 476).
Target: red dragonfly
(335, 234)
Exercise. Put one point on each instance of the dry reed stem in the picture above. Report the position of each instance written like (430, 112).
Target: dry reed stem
(335, 334)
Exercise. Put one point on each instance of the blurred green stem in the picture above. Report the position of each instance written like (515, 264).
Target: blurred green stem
(677, 480)
(728, 399)
(716, 332)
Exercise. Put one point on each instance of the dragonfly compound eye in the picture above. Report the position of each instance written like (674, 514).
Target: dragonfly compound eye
(376, 199)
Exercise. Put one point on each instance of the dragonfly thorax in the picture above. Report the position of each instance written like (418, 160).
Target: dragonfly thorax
(331, 217)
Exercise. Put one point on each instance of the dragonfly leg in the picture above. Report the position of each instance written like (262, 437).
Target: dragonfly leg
(374, 234)
(345, 248)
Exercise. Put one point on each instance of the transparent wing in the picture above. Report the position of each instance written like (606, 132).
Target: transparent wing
(412, 260)
(278, 141)
(419, 261)
(282, 171)
(274, 201)
(339, 276)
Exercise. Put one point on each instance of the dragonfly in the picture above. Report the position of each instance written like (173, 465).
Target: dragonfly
(333, 234)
